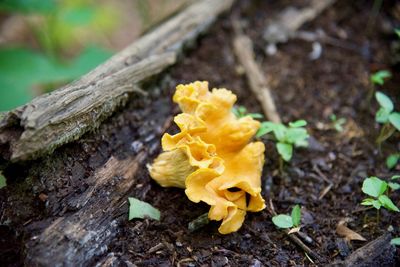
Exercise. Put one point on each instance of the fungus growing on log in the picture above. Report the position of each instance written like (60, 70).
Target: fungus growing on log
(212, 156)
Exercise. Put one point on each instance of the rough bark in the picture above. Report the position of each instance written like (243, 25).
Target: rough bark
(376, 253)
(92, 218)
(64, 115)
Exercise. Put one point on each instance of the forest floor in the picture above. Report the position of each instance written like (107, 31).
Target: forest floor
(335, 83)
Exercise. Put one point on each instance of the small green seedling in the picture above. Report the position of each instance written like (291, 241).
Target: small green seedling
(394, 185)
(3, 182)
(380, 76)
(285, 221)
(337, 123)
(395, 241)
(392, 160)
(141, 209)
(376, 188)
(387, 117)
(397, 32)
(241, 112)
(287, 137)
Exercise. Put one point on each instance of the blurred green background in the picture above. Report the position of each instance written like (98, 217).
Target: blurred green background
(45, 44)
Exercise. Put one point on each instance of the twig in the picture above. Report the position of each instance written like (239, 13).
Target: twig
(295, 239)
(243, 48)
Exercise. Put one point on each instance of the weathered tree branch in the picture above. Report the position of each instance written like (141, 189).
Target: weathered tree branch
(243, 48)
(378, 252)
(64, 115)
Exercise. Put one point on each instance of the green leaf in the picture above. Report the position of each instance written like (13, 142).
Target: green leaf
(371, 202)
(235, 111)
(18, 80)
(374, 187)
(3, 181)
(298, 123)
(384, 101)
(387, 203)
(297, 136)
(395, 177)
(282, 221)
(28, 6)
(367, 202)
(256, 115)
(394, 186)
(296, 215)
(78, 15)
(395, 241)
(382, 116)
(140, 209)
(379, 77)
(265, 127)
(285, 150)
(377, 204)
(394, 119)
(397, 31)
(279, 131)
(392, 160)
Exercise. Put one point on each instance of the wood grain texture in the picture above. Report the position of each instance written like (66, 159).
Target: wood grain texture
(64, 115)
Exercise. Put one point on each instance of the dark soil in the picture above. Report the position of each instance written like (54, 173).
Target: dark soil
(336, 83)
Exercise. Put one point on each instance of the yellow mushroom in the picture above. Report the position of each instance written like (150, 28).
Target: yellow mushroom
(212, 156)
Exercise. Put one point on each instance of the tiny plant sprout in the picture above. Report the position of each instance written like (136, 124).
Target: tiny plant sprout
(386, 116)
(3, 182)
(397, 31)
(337, 123)
(376, 188)
(394, 185)
(395, 241)
(380, 76)
(285, 221)
(141, 209)
(391, 160)
(287, 137)
(241, 112)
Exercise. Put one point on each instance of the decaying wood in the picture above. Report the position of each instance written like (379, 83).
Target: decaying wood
(376, 253)
(75, 239)
(66, 114)
(243, 48)
(286, 24)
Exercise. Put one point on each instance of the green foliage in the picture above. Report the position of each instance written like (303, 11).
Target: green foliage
(386, 116)
(397, 32)
(141, 209)
(380, 76)
(28, 6)
(58, 25)
(337, 123)
(287, 137)
(395, 241)
(18, 80)
(394, 185)
(392, 160)
(296, 215)
(286, 221)
(241, 112)
(3, 181)
(376, 188)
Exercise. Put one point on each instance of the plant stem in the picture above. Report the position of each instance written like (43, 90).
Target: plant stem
(280, 165)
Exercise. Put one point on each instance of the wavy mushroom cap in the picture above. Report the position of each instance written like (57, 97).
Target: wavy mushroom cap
(211, 155)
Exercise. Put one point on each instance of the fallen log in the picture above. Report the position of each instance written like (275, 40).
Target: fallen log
(378, 252)
(64, 115)
(80, 224)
